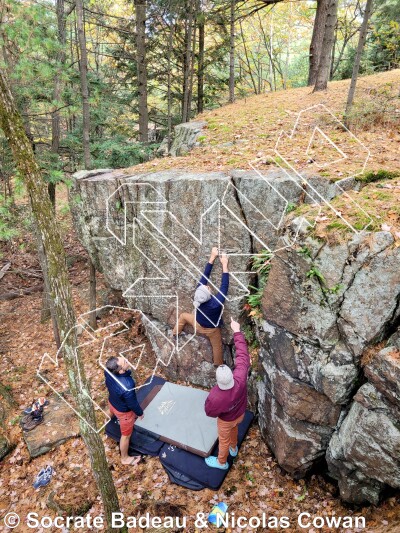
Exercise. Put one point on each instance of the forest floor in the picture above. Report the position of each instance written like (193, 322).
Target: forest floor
(254, 485)
(247, 131)
(236, 134)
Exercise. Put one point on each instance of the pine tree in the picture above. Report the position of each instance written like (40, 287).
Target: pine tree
(60, 289)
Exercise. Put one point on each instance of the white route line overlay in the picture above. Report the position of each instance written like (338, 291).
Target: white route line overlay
(160, 201)
(337, 184)
(81, 327)
(187, 264)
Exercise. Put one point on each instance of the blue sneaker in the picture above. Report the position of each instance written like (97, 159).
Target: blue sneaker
(233, 451)
(44, 477)
(213, 462)
(41, 481)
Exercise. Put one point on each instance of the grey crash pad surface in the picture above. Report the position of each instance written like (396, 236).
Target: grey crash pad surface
(177, 415)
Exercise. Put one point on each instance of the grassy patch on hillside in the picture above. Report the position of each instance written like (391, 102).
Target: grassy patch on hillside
(375, 207)
(247, 130)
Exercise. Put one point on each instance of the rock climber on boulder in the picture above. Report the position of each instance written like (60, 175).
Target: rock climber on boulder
(209, 307)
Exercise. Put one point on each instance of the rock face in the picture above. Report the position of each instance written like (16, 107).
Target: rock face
(6, 403)
(323, 306)
(185, 138)
(364, 454)
(60, 424)
(5, 446)
(151, 235)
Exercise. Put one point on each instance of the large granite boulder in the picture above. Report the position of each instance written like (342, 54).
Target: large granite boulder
(151, 235)
(5, 446)
(322, 306)
(186, 137)
(7, 403)
(192, 361)
(296, 420)
(364, 454)
(384, 373)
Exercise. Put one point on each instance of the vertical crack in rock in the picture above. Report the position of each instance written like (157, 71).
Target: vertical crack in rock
(393, 323)
(242, 212)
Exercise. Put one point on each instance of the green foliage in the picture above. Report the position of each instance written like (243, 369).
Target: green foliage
(379, 175)
(315, 273)
(333, 290)
(75, 199)
(302, 495)
(249, 335)
(7, 219)
(261, 264)
(290, 207)
(118, 206)
(338, 226)
(377, 108)
(384, 51)
(118, 153)
(262, 64)
(15, 420)
(254, 299)
(65, 209)
(305, 252)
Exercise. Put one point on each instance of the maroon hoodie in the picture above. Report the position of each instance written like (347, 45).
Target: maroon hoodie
(230, 404)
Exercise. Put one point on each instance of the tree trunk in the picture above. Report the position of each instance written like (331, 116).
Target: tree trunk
(332, 67)
(249, 69)
(48, 309)
(140, 9)
(196, 6)
(92, 295)
(357, 61)
(317, 39)
(187, 62)
(200, 66)
(288, 45)
(55, 117)
(232, 53)
(169, 91)
(271, 57)
(83, 66)
(321, 82)
(60, 289)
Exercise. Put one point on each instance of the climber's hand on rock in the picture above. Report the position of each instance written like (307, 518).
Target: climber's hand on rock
(224, 262)
(214, 254)
(235, 325)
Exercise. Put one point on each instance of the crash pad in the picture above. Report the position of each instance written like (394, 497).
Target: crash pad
(190, 470)
(183, 467)
(176, 414)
